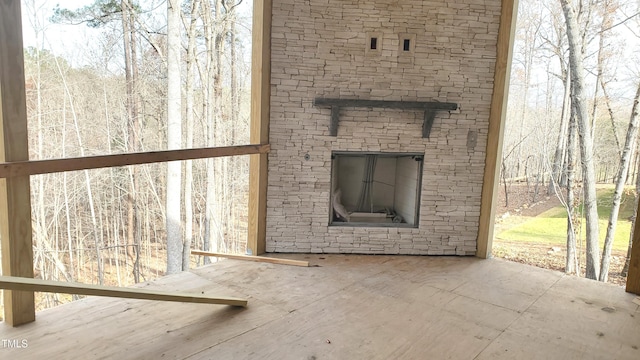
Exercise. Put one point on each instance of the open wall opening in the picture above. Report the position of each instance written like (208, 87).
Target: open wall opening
(375, 189)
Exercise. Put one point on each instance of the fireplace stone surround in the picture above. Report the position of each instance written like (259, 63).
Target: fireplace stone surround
(322, 49)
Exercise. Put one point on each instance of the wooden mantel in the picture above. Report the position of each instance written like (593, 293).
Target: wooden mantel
(429, 108)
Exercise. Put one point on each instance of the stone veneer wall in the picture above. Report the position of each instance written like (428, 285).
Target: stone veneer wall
(320, 49)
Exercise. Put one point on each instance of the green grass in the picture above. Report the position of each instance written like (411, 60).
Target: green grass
(550, 227)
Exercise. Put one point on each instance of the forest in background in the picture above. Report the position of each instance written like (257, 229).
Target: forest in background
(572, 115)
(109, 94)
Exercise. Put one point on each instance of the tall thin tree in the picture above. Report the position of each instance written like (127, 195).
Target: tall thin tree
(579, 102)
(621, 179)
(174, 139)
(189, 117)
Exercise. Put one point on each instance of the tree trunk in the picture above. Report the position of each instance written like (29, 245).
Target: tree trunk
(135, 119)
(174, 139)
(211, 113)
(629, 143)
(571, 205)
(217, 216)
(129, 66)
(579, 102)
(612, 118)
(235, 108)
(561, 143)
(189, 117)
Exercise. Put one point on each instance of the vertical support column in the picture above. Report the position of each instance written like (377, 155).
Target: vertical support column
(493, 155)
(15, 200)
(260, 102)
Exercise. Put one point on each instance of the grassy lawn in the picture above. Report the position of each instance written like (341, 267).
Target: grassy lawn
(550, 227)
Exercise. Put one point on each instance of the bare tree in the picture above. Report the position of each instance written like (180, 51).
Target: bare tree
(189, 117)
(571, 203)
(632, 133)
(579, 102)
(174, 139)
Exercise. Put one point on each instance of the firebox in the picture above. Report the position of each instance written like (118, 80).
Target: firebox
(375, 189)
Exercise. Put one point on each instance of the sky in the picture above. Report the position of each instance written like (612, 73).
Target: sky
(75, 43)
(63, 40)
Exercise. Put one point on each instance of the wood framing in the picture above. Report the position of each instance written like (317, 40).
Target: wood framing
(21, 168)
(633, 277)
(15, 200)
(493, 155)
(265, 259)
(260, 98)
(27, 284)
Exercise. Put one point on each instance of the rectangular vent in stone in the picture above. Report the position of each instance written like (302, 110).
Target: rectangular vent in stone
(373, 45)
(406, 45)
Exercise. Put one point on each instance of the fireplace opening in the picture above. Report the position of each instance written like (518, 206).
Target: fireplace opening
(375, 189)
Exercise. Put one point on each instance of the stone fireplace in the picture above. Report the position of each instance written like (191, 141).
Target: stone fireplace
(403, 84)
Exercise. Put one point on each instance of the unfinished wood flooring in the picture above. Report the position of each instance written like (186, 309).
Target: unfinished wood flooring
(350, 307)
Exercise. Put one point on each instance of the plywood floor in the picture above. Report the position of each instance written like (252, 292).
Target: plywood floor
(350, 307)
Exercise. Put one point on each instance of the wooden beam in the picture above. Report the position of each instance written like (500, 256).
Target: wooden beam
(270, 260)
(429, 108)
(15, 201)
(335, 119)
(387, 104)
(27, 284)
(429, 118)
(22, 168)
(493, 155)
(260, 99)
(633, 276)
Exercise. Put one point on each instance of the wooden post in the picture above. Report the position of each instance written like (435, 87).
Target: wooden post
(260, 98)
(15, 201)
(493, 155)
(633, 277)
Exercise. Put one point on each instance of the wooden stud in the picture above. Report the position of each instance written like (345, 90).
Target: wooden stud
(260, 99)
(21, 168)
(493, 155)
(15, 201)
(633, 276)
(270, 260)
(27, 284)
